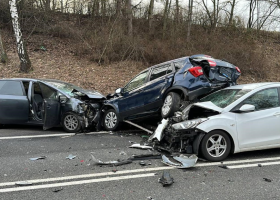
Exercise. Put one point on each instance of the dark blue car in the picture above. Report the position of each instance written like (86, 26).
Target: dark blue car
(167, 87)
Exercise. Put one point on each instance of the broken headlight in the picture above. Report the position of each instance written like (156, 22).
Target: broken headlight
(188, 124)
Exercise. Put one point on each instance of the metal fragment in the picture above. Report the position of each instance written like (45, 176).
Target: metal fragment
(114, 163)
(184, 161)
(23, 183)
(37, 158)
(139, 146)
(70, 157)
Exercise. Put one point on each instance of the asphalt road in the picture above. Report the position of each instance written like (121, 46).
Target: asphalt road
(56, 177)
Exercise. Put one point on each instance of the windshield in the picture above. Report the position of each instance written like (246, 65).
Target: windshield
(223, 98)
(67, 88)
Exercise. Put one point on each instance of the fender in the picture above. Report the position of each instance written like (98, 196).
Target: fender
(180, 88)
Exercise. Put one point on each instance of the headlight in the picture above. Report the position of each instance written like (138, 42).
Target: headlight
(188, 124)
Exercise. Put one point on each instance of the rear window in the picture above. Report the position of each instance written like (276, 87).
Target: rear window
(11, 88)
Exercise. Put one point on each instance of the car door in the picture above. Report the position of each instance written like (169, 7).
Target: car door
(14, 105)
(132, 100)
(51, 107)
(260, 128)
(160, 79)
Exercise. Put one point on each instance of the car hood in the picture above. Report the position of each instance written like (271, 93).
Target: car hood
(92, 94)
(206, 105)
(209, 105)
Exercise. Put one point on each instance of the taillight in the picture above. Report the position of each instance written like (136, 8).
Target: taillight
(237, 68)
(212, 63)
(196, 71)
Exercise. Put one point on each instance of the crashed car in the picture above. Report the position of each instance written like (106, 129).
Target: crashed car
(49, 103)
(167, 87)
(235, 119)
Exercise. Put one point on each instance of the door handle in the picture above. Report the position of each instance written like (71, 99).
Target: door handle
(277, 114)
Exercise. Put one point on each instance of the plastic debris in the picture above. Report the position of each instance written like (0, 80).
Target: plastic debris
(267, 179)
(71, 157)
(23, 183)
(146, 156)
(150, 198)
(57, 189)
(38, 158)
(223, 166)
(142, 163)
(184, 161)
(158, 134)
(122, 153)
(114, 163)
(166, 179)
(139, 146)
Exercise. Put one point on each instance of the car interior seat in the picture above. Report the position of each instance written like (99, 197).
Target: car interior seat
(38, 104)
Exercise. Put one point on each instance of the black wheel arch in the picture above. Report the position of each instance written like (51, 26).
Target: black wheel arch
(183, 92)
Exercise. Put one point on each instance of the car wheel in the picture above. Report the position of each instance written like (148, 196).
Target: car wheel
(71, 123)
(171, 104)
(215, 146)
(110, 120)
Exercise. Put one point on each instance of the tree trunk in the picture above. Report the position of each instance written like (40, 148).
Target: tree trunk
(118, 7)
(231, 12)
(129, 17)
(61, 6)
(150, 14)
(189, 19)
(177, 14)
(25, 64)
(165, 18)
(251, 14)
(3, 54)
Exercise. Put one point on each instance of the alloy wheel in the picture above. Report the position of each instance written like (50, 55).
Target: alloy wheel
(216, 145)
(71, 122)
(111, 120)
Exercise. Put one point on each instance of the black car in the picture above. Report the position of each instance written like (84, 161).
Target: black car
(49, 103)
(168, 87)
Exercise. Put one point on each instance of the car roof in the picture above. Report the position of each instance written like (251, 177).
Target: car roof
(253, 86)
(32, 79)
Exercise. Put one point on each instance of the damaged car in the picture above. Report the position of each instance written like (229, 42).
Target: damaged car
(232, 120)
(166, 88)
(49, 103)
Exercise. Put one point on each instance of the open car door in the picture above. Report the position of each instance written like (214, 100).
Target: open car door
(51, 113)
(51, 107)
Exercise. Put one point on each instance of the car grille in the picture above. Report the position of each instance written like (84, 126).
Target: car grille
(226, 71)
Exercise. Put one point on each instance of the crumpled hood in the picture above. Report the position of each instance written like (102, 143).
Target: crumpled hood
(92, 94)
(207, 105)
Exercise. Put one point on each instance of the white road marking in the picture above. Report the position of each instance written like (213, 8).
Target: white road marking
(75, 183)
(36, 136)
(140, 170)
(99, 132)
(253, 165)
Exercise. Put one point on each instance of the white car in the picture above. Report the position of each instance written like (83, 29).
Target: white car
(236, 119)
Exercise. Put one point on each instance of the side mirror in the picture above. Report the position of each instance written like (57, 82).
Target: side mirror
(247, 108)
(62, 99)
(119, 90)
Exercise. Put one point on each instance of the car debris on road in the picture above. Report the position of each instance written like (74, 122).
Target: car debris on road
(184, 161)
(111, 163)
(71, 157)
(166, 179)
(38, 158)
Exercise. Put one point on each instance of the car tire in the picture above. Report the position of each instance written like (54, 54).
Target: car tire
(71, 123)
(215, 146)
(171, 104)
(110, 120)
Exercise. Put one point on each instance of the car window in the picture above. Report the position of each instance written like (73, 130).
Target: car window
(264, 99)
(160, 71)
(26, 86)
(48, 92)
(11, 88)
(138, 81)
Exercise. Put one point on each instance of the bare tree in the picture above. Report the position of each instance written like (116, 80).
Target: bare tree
(150, 13)
(213, 16)
(190, 13)
(3, 54)
(118, 7)
(251, 13)
(233, 4)
(129, 17)
(165, 16)
(25, 64)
